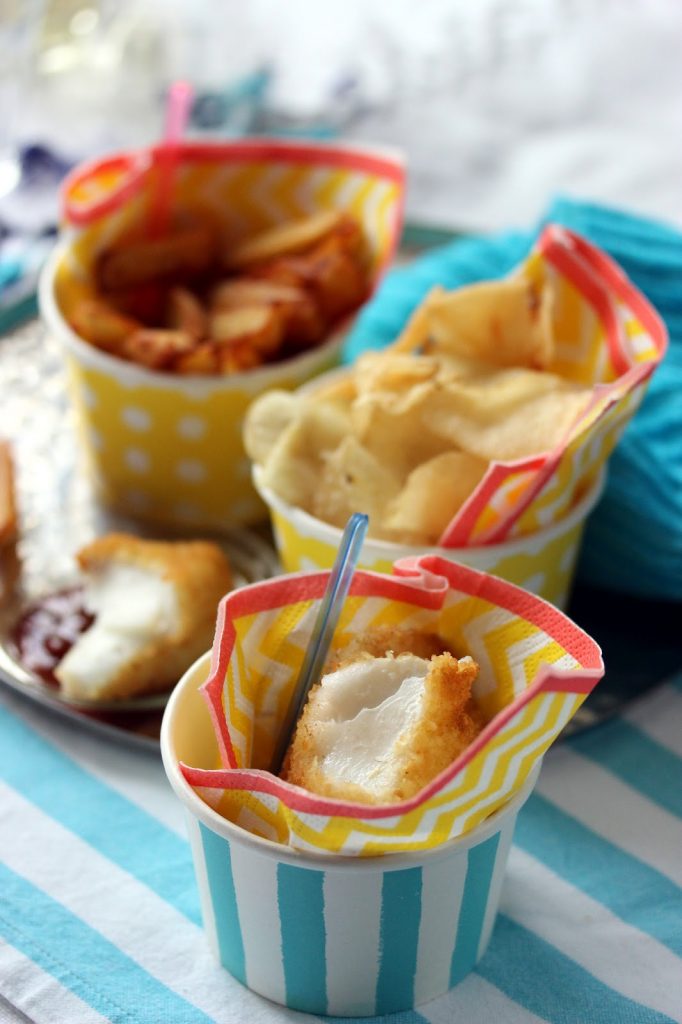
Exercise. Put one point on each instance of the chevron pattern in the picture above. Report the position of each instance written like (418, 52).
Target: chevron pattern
(532, 679)
(544, 565)
(600, 341)
(244, 194)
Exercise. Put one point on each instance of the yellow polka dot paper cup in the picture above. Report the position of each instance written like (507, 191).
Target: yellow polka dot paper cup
(343, 908)
(543, 562)
(168, 448)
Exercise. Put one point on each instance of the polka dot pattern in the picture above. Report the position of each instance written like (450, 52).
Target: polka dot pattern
(171, 453)
(191, 471)
(136, 418)
(192, 428)
(137, 459)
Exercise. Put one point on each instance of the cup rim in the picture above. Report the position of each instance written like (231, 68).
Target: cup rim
(390, 161)
(132, 375)
(200, 810)
(392, 550)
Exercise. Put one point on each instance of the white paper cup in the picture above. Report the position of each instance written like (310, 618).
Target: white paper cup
(334, 935)
(543, 562)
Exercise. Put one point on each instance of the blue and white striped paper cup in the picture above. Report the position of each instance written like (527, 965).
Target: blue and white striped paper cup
(334, 935)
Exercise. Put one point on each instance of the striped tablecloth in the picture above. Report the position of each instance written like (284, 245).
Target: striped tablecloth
(99, 917)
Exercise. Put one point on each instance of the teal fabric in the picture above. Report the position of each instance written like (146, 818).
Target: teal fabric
(633, 541)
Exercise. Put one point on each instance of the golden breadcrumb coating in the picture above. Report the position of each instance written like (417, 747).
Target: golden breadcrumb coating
(381, 640)
(200, 575)
(450, 720)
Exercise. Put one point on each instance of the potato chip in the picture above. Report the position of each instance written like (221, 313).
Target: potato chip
(508, 415)
(506, 323)
(266, 420)
(395, 431)
(433, 493)
(295, 463)
(427, 416)
(393, 372)
(387, 415)
(353, 480)
(342, 390)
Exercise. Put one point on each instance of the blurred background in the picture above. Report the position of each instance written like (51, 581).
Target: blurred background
(497, 104)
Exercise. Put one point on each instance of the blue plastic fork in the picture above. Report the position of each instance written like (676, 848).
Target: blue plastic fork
(323, 631)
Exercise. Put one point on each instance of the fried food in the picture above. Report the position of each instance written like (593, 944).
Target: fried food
(155, 609)
(183, 254)
(378, 729)
(259, 327)
(278, 294)
(283, 240)
(432, 494)
(302, 322)
(426, 417)
(353, 478)
(505, 323)
(297, 451)
(8, 508)
(102, 325)
(380, 641)
(333, 271)
(201, 360)
(156, 349)
(185, 313)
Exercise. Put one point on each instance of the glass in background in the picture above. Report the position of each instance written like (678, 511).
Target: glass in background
(19, 21)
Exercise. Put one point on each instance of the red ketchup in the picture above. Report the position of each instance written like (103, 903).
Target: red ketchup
(48, 629)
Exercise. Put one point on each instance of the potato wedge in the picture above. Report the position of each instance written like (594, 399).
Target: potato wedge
(103, 326)
(283, 240)
(156, 349)
(202, 359)
(179, 256)
(185, 313)
(8, 508)
(302, 320)
(261, 327)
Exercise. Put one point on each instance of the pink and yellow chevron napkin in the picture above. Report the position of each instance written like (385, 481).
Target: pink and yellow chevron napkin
(536, 669)
(606, 334)
(242, 187)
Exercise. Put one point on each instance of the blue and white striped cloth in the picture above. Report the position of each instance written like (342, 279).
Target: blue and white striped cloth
(99, 916)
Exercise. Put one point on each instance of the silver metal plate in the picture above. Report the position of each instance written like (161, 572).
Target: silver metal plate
(58, 514)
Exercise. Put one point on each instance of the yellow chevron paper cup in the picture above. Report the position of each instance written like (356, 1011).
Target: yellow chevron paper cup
(607, 336)
(536, 668)
(346, 936)
(167, 448)
(543, 562)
